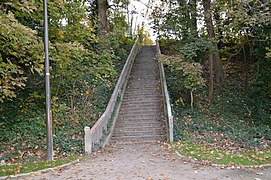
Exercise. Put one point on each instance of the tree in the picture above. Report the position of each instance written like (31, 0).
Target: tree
(144, 36)
(20, 54)
(219, 77)
(193, 4)
(214, 57)
(190, 72)
(102, 17)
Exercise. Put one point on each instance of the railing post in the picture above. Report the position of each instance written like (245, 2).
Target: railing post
(170, 121)
(88, 142)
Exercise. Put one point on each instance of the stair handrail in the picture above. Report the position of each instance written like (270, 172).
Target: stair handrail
(165, 94)
(98, 135)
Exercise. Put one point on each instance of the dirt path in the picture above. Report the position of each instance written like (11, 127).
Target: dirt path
(146, 161)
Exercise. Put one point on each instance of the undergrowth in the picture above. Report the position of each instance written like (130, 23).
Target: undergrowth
(237, 120)
(23, 124)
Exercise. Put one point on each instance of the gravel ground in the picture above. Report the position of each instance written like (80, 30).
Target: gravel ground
(149, 161)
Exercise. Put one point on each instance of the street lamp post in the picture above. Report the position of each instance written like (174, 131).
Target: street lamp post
(49, 134)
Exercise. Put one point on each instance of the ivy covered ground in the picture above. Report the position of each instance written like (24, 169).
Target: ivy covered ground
(237, 121)
(23, 127)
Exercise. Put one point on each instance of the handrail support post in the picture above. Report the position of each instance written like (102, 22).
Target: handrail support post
(88, 140)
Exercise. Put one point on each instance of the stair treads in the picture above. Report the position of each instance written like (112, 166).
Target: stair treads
(141, 114)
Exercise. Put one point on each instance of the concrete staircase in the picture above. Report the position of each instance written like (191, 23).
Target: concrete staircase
(140, 117)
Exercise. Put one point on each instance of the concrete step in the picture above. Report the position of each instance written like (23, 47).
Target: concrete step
(140, 116)
(139, 131)
(125, 111)
(143, 78)
(139, 138)
(139, 134)
(141, 99)
(139, 105)
(147, 101)
(155, 95)
(121, 124)
(139, 121)
(135, 116)
(153, 90)
(140, 89)
(139, 126)
(143, 90)
(141, 95)
(140, 92)
(142, 82)
(142, 71)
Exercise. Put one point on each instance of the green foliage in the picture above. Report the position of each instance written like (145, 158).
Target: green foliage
(239, 117)
(73, 108)
(21, 53)
(22, 47)
(169, 46)
(189, 72)
(175, 22)
(242, 32)
(246, 37)
(187, 67)
(233, 120)
(196, 49)
(144, 37)
(83, 68)
(192, 72)
(193, 76)
(193, 49)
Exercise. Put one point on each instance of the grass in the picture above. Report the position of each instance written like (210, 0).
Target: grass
(7, 170)
(224, 157)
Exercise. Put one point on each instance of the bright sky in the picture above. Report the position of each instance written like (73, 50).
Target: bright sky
(142, 13)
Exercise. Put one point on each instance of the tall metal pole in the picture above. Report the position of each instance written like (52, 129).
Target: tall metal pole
(49, 134)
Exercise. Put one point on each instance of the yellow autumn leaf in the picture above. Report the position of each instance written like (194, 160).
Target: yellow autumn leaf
(87, 92)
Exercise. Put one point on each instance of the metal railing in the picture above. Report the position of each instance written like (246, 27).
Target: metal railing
(100, 133)
(166, 100)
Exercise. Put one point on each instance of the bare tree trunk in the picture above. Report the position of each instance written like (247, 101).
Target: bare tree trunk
(102, 17)
(191, 99)
(211, 79)
(186, 17)
(194, 16)
(219, 76)
(219, 28)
